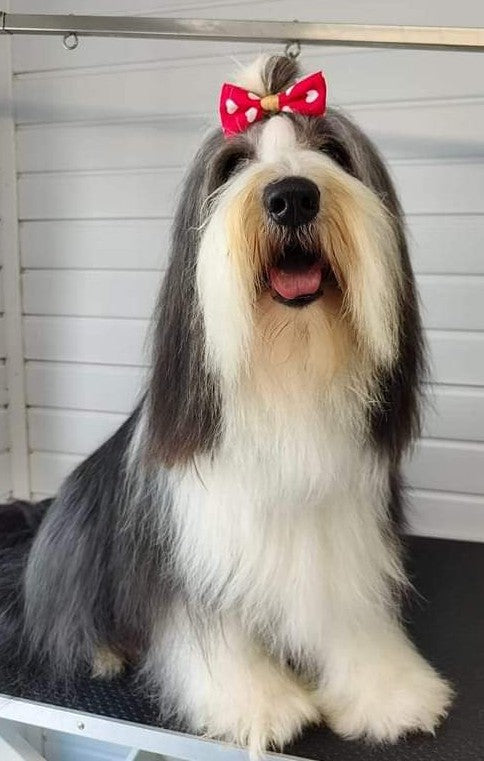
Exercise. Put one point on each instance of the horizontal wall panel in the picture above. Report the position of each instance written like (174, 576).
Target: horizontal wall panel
(85, 387)
(453, 412)
(450, 412)
(3, 383)
(5, 479)
(71, 339)
(449, 516)
(136, 93)
(448, 301)
(447, 466)
(3, 430)
(452, 302)
(104, 194)
(457, 358)
(458, 413)
(102, 294)
(404, 130)
(95, 244)
(49, 469)
(400, 132)
(451, 244)
(70, 431)
(362, 77)
(438, 187)
(50, 148)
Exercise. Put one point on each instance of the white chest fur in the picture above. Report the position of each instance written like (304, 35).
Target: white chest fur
(290, 502)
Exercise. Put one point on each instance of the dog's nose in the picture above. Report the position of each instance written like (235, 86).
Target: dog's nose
(292, 201)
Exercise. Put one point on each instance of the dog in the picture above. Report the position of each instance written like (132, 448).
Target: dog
(238, 535)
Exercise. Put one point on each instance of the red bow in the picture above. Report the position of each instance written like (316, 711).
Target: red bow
(240, 108)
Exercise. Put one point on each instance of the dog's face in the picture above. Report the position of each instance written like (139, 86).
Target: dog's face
(297, 248)
(289, 270)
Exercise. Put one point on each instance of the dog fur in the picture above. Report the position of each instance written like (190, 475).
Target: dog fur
(238, 535)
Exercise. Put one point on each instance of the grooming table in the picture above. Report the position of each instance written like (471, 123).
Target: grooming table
(446, 620)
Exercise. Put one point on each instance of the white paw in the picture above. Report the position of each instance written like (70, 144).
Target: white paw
(390, 703)
(264, 714)
(106, 664)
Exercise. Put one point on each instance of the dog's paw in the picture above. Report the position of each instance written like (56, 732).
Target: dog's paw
(389, 705)
(268, 714)
(106, 664)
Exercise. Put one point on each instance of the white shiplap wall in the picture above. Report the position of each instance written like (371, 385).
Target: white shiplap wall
(103, 134)
(5, 476)
(6, 158)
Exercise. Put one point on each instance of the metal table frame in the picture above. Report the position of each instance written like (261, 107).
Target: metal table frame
(165, 743)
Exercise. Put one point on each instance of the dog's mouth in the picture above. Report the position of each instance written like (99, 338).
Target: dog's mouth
(297, 277)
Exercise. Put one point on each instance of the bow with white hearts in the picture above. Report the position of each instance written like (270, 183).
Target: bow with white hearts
(240, 108)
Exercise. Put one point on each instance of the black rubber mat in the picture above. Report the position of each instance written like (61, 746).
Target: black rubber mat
(447, 622)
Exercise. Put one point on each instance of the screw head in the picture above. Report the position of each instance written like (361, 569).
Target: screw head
(70, 41)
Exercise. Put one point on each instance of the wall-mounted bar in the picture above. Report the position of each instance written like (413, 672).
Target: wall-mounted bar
(427, 37)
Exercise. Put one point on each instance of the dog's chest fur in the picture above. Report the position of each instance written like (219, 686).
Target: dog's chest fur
(266, 518)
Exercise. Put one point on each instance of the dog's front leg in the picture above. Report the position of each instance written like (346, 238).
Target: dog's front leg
(221, 682)
(375, 684)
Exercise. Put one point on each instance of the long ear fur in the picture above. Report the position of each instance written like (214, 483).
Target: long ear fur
(183, 397)
(395, 421)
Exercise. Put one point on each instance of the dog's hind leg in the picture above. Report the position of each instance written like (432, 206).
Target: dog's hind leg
(221, 682)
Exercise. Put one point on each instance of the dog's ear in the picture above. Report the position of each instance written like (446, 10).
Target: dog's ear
(183, 399)
(395, 422)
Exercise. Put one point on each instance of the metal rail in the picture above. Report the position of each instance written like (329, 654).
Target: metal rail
(362, 35)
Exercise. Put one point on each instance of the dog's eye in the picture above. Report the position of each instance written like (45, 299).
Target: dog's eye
(230, 164)
(339, 154)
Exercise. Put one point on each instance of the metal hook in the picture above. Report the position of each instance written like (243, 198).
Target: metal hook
(292, 49)
(70, 41)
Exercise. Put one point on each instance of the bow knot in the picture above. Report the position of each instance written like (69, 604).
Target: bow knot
(270, 103)
(240, 108)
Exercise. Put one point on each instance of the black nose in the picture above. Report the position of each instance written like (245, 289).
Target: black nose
(292, 201)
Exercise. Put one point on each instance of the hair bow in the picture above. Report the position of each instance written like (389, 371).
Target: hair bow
(240, 108)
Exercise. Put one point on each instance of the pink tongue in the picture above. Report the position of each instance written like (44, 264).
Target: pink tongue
(291, 285)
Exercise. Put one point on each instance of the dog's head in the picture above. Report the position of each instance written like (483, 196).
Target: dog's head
(288, 259)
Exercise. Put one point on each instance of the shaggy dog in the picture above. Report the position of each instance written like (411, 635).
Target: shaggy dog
(238, 534)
